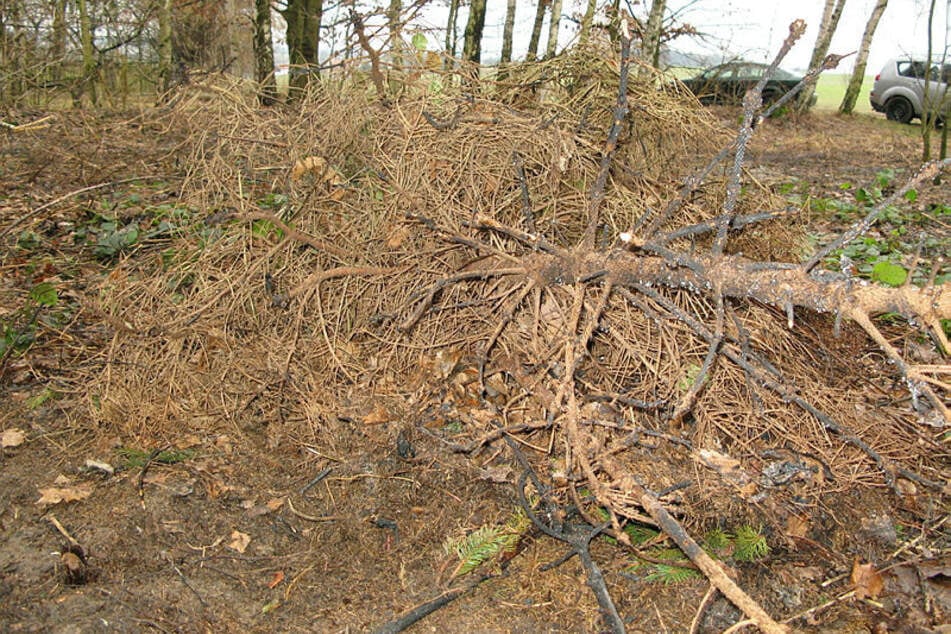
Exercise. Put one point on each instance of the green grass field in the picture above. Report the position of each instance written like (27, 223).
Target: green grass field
(831, 88)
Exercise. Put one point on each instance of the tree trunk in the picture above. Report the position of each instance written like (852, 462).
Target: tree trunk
(830, 21)
(944, 141)
(926, 119)
(650, 41)
(165, 45)
(586, 22)
(237, 43)
(303, 18)
(537, 30)
(451, 28)
(614, 24)
(554, 23)
(396, 37)
(58, 42)
(472, 44)
(264, 52)
(508, 31)
(7, 56)
(861, 60)
(87, 81)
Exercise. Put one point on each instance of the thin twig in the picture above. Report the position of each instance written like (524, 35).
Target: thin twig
(710, 567)
(695, 624)
(580, 542)
(298, 236)
(928, 171)
(148, 463)
(312, 518)
(610, 147)
(769, 381)
(528, 216)
(752, 102)
(414, 615)
(55, 522)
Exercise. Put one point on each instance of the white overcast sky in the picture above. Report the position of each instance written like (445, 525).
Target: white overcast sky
(752, 29)
(749, 29)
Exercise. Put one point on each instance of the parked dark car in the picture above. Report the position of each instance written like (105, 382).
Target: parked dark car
(727, 83)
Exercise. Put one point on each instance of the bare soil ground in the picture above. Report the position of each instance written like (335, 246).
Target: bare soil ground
(232, 530)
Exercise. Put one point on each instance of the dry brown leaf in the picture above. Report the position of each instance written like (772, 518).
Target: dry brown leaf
(239, 541)
(276, 579)
(190, 440)
(309, 166)
(447, 361)
(729, 469)
(317, 169)
(397, 237)
(275, 503)
(377, 416)
(868, 582)
(55, 495)
(215, 487)
(797, 526)
(500, 474)
(12, 437)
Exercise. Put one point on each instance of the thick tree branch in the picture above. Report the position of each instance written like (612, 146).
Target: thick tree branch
(738, 277)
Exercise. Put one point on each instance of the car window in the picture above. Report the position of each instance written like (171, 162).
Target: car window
(726, 72)
(914, 69)
(749, 71)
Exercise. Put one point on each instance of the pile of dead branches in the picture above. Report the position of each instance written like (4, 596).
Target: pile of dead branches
(590, 271)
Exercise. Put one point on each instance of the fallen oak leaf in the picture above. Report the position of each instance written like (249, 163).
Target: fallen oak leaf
(868, 582)
(377, 416)
(12, 437)
(239, 541)
(55, 495)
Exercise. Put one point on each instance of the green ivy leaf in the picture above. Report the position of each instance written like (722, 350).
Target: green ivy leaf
(44, 294)
(911, 195)
(889, 274)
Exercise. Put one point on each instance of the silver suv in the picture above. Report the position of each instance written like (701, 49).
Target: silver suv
(899, 90)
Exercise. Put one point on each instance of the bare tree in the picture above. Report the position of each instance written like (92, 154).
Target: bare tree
(508, 31)
(87, 81)
(165, 44)
(537, 29)
(586, 21)
(393, 14)
(264, 52)
(58, 39)
(472, 43)
(303, 18)
(861, 60)
(451, 28)
(830, 22)
(9, 85)
(650, 41)
(554, 24)
(932, 102)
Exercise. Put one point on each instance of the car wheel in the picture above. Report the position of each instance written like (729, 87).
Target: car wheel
(771, 95)
(899, 109)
